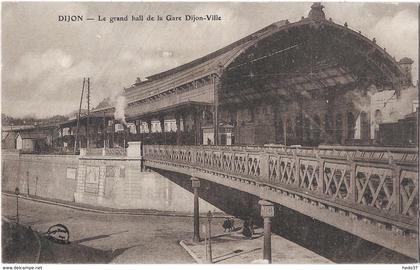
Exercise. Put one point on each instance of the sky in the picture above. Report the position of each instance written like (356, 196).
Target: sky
(44, 60)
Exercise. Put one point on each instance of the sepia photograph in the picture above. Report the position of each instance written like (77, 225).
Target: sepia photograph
(209, 133)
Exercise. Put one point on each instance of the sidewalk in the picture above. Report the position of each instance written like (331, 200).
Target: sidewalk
(234, 248)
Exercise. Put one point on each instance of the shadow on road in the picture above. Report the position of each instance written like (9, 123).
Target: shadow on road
(52, 252)
(96, 237)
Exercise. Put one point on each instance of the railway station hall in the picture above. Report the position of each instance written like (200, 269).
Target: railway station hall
(311, 82)
(308, 83)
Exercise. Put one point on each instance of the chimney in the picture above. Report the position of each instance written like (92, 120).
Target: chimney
(406, 65)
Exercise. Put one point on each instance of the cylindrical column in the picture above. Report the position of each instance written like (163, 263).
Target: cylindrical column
(267, 212)
(209, 252)
(267, 239)
(195, 186)
(178, 129)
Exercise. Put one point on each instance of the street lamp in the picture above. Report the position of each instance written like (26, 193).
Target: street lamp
(267, 212)
(17, 204)
(196, 185)
(209, 217)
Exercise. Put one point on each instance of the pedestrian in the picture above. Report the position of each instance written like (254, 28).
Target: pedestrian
(251, 224)
(246, 231)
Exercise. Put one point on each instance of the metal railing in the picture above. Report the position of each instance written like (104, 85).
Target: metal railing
(106, 152)
(381, 183)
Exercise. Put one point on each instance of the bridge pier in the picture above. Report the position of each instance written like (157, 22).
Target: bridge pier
(195, 185)
(267, 212)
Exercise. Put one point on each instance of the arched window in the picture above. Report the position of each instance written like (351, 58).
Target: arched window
(377, 121)
(351, 123)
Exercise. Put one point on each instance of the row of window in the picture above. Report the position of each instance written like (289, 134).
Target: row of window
(310, 128)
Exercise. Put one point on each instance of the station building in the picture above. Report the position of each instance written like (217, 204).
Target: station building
(308, 82)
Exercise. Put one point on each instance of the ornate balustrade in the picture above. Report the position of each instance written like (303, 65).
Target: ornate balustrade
(378, 183)
(106, 152)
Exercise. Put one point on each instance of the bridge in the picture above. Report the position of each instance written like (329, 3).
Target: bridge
(370, 192)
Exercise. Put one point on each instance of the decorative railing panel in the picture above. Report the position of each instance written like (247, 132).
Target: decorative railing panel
(337, 181)
(106, 151)
(382, 183)
(288, 173)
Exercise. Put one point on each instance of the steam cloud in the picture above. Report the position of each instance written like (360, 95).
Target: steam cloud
(119, 102)
(403, 105)
(361, 99)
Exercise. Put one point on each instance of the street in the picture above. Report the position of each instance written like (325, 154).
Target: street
(105, 238)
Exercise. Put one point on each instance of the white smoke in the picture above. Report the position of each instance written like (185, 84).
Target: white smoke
(119, 102)
(403, 105)
(361, 98)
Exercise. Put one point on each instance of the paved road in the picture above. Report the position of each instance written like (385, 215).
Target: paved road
(105, 238)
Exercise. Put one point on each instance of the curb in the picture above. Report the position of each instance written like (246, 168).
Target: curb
(189, 251)
(114, 212)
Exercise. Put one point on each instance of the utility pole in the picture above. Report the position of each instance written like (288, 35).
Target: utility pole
(104, 130)
(78, 118)
(216, 109)
(17, 192)
(88, 114)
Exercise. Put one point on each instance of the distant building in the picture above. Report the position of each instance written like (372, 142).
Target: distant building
(8, 140)
(30, 138)
(30, 142)
(387, 107)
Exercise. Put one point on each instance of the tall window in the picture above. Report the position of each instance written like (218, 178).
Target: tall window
(279, 131)
(306, 129)
(298, 130)
(289, 131)
(364, 126)
(316, 130)
(377, 121)
(338, 127)
(351, 123)
(329, 127)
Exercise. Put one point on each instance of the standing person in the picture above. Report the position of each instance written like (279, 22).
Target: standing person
(246, 231)
(251, 224)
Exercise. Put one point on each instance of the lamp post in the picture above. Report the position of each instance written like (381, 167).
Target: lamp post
(267, 212)
(17, 204)
(209, 258)
(195, 185)
(27, 182)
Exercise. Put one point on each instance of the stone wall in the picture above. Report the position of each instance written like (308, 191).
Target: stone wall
(49, 176)
(116, 182)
